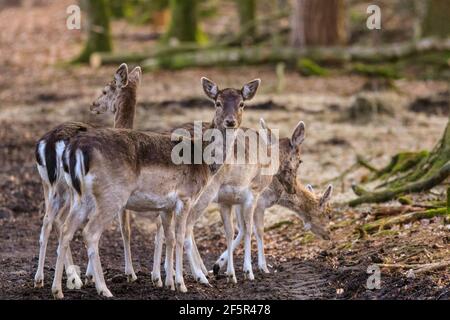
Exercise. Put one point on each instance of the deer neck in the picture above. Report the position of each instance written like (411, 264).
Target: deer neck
(126, 108)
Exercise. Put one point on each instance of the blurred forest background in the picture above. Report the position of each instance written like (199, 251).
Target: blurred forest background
(375, 103)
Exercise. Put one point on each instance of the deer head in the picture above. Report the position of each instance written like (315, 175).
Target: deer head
(229, 102)
(314, 210)
(118, 92)
(290, 158)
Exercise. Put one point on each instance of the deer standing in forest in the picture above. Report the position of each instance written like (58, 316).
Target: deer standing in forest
(119, 98)
(110, 170)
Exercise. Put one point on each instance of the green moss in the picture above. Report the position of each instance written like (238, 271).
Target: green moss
(377, 71)
(279, 225)
(307, 67)
(405, 200)
(401, 162)
(308, 238)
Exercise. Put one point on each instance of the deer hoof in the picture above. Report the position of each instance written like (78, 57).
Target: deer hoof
(181, 287)
(39, 283)
(57, 294)
(74, 282)
(131, 277)
(105, 293)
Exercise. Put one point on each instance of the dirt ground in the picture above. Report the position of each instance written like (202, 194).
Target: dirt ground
(37, 94)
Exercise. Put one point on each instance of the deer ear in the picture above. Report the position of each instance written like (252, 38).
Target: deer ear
(326, 195)
(310, 188)
(249, 89)
(121, 76)
(135, 75)
(298, 136)
(210, 88)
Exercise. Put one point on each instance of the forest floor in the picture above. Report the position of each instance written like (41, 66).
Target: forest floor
(36, 94)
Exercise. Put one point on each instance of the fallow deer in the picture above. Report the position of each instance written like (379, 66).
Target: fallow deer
(119, 98)
(311, 209)
(115, 169)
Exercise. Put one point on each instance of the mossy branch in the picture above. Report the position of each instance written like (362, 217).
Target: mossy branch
(419, 186)
(387, 223)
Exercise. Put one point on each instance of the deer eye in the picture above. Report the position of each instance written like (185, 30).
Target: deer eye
(218, 104)
(241, 105)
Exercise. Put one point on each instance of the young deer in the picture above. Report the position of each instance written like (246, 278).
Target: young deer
(112, 170)
(118, 97)
(236, 184)
(313, 210)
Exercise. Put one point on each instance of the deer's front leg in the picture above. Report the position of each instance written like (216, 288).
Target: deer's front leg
(168, 227)
(247, 210)
(259, 233)
(224, 256)
(225, 211)
(194, 260)
(180, 232)
(156, 272)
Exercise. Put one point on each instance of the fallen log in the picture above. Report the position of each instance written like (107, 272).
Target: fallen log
(264, 54)
(392, 211)
(193, 55)
(417, 268)
(402, 219)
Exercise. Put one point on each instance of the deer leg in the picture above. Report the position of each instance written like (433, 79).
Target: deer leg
(180, 233)
(72, 223)
(156, 272)
(259, 233)
(169, 234)
(224, 256)
(106, 210)
(248, 208)
(72, 270)
(195, 260)
(125, 229)
(225, 211)
(51, 208)
(198, 257)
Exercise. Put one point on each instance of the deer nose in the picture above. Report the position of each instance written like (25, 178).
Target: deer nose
(230, 123)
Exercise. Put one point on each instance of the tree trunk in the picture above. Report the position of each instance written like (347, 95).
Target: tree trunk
(247, 15)
(183, 24)
(436, 21)
(117, 8)
(99, 35)
(318, 22)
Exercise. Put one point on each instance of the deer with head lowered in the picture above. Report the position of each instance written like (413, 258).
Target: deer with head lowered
(110, 170)
(119, 98)
(312, 209)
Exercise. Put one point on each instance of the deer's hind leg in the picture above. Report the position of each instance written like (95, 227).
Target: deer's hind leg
(109, 204)
(157, 254)
(51, 209)
(125, 229)
(76, 217)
